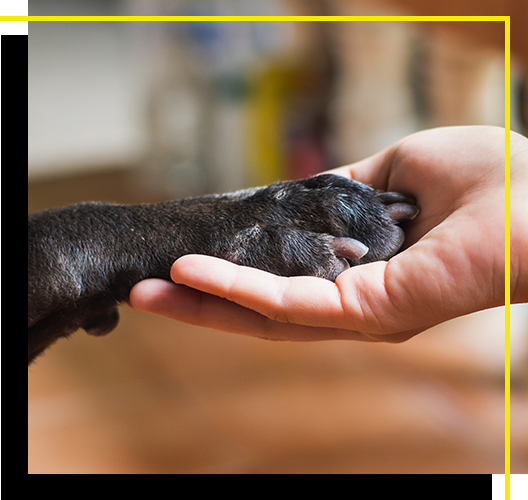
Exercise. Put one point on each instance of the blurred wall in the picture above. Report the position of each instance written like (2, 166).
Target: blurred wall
(200, 107)
(86, 98)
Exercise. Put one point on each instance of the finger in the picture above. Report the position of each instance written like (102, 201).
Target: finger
(379, 298)
(158, 296)
(357, 301)
(299, 300)
(356, 317)
(181, 303)
(185, 304)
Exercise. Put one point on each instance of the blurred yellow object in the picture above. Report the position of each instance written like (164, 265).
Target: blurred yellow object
(271, 89)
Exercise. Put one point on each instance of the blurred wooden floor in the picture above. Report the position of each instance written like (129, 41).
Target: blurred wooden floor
(156, 396)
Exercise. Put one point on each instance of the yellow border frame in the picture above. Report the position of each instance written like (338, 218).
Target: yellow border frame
(505, 19)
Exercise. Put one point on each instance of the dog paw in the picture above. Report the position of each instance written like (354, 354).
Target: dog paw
(320, 227)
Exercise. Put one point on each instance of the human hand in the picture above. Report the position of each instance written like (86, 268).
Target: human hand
(452, 263)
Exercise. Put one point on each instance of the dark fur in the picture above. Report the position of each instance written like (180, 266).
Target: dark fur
(83, 259)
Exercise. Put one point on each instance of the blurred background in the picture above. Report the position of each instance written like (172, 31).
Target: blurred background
(139, 112)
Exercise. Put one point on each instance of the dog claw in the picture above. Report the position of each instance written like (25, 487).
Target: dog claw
(391, 197)
(349, 248)
(402, 211)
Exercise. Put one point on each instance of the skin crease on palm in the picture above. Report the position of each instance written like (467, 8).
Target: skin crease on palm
(452, 261)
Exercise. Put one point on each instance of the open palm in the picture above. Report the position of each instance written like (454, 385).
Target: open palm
(452, 263)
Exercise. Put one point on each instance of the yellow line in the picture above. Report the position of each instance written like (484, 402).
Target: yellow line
(13, 25)
(507, 440)
(501, 483)
(253, 18)
(0, 211)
